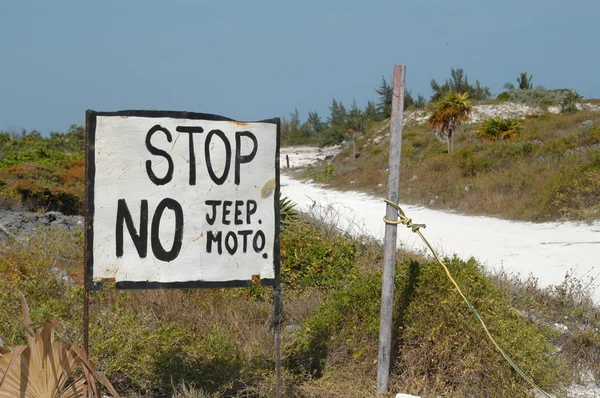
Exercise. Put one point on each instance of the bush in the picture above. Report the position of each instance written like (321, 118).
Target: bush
(37, 196)
(572, 192)
(315, 257)
(439, 346)
(568, 103)
(326, 174)
(41, 154)
(142, 354)
(56, 187)
(459, 359)
(497, 128)
(331, 136)
(541, 97)
(503, 97)
(472, 164)
(349, 318)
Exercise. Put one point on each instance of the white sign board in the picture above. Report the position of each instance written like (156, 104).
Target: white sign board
(178, 199)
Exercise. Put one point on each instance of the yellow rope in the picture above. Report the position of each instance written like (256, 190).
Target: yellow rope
(416, 229)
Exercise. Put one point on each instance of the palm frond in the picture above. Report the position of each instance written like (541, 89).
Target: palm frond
(287, 211)
(45, 366)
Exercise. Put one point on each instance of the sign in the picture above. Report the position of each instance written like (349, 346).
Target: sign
(178, 199)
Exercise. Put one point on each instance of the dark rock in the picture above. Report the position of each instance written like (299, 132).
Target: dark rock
(13, 222)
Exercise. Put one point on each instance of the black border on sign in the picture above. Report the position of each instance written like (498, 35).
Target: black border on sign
(90, 167)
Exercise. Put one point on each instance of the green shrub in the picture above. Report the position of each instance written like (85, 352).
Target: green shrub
(579, 198)
(50, 199)
(527, 148)
(140, 353)
(444, 347)
(38, 154)
(349, 318)
(589, 137)
(331, 136)
(315, 257)
(503, 96)
(568, 103)
(542, 97)
(471, 163)
(497, 128)
(439, 346)
(326, 174)
(583, 350)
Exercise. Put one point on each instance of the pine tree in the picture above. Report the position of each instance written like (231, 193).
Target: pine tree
(354, 124)
(338, 115)
(384, 106)
(355, 119)
(409, 101)
(370, 113)
(315, 125)
(459, 83)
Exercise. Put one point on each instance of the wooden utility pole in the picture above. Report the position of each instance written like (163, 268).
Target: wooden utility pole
(391, 231)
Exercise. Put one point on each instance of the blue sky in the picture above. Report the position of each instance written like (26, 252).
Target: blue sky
(252, 60)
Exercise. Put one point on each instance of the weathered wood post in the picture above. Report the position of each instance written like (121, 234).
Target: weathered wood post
(391, 231)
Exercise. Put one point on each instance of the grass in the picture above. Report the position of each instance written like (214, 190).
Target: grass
(550, 171)
(218, 342)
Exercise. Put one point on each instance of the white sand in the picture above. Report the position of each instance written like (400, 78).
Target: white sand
(547, 251)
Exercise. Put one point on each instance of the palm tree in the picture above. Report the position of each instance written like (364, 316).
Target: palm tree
(451, 111)
(524, 81)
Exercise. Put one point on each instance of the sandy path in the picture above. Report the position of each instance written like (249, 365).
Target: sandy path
(546, 250)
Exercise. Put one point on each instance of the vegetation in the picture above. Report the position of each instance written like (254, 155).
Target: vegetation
(46, 366)
(549, 171)
(497, 128)
(449, 114)
(218, 342)
(459, 83)
(540, 97)
(384, 106)
(38, 173)
(523, 81)
(342, 124)
(209, 343)
(429, 360)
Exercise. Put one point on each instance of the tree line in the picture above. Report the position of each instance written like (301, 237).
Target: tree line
(346, 123)
(450, 104)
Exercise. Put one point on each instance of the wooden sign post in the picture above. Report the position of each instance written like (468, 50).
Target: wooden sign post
(391, 230)
(181, 200)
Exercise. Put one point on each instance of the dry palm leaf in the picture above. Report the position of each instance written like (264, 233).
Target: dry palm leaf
(45, 367)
